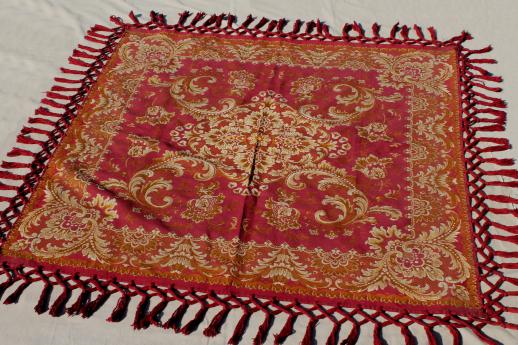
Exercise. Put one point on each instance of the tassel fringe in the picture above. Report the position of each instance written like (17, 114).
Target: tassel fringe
(482, 113)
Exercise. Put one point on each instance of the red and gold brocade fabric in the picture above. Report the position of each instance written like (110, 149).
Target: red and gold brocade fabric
(317, 170)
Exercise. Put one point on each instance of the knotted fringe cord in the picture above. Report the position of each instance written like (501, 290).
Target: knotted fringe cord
(482, 114)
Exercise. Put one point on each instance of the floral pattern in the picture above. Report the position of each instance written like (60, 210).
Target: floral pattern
(372, 166)
(141, 146)
(220, 161)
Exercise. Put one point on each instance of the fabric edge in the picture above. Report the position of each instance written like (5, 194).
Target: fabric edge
(480, 113)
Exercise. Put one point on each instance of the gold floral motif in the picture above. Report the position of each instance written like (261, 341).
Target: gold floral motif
(141, 146)
(74, 226)
(241, 81)
(281, 266)
(282, 139)
(374, 131)
(183, 254)
(372, 166)
(155, 115)
(144, 184)
(351, 203)
(280, 214)
(304, 87)
(157, 52)
(206, 206)
(423, 70)
(137, 241)
(403, 259)
(432, 128)
(353, 99)
(435, 180)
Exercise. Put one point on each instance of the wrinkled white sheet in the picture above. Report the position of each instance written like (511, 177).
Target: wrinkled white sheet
(37, 36)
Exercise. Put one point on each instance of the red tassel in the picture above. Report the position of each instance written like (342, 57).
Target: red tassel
(310, 332)
(10, 176)
(271, 26)
(134, 18)
(377, 336)
(91, 307)
(64, 89)
(120, 310)
(261, 23)
(485, 87)
(409, 339)
(240, 328)
(457, 338)
(214, 327)
(512, 184)
(96, 40)
(262, 332)
(419, 32)
(404, 32)
(29, 130)
(504, 172)
(43, 302)
(22, 139)
(68, 81)
(509, 265)
(231, 19)
(509, 228)
(55, 95)
(430, 335)
(41, 121)
(15, 296)
(7, 284)
(487, 77)
(394, 31)
(510, 280)
(199, 16)
(502, 198)
(489, 61)
(498, 161)
(510, 239)
(287, 330)
(296, 26)
(46, 112)
(376, 30)
(192, 325)
(154, 315)
(309, 27)
(95, 34)
(353, 336)
(333, 336)
(182, 17)
(503, 254)
(52, 103)
(433, 33)
(14, 165)
(4, 186)
(16, 152)
(176, 319)
(140, 320)
(72, 71)
(79, 303)
(359, 30)
(478, 51)
(249, 19)
(84, 55)
(504, 211)
(59, 304)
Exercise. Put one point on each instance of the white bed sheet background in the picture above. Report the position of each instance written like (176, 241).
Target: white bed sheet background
(37, 36)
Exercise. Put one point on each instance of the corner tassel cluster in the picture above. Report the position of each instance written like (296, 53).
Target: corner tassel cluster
(483, 115)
